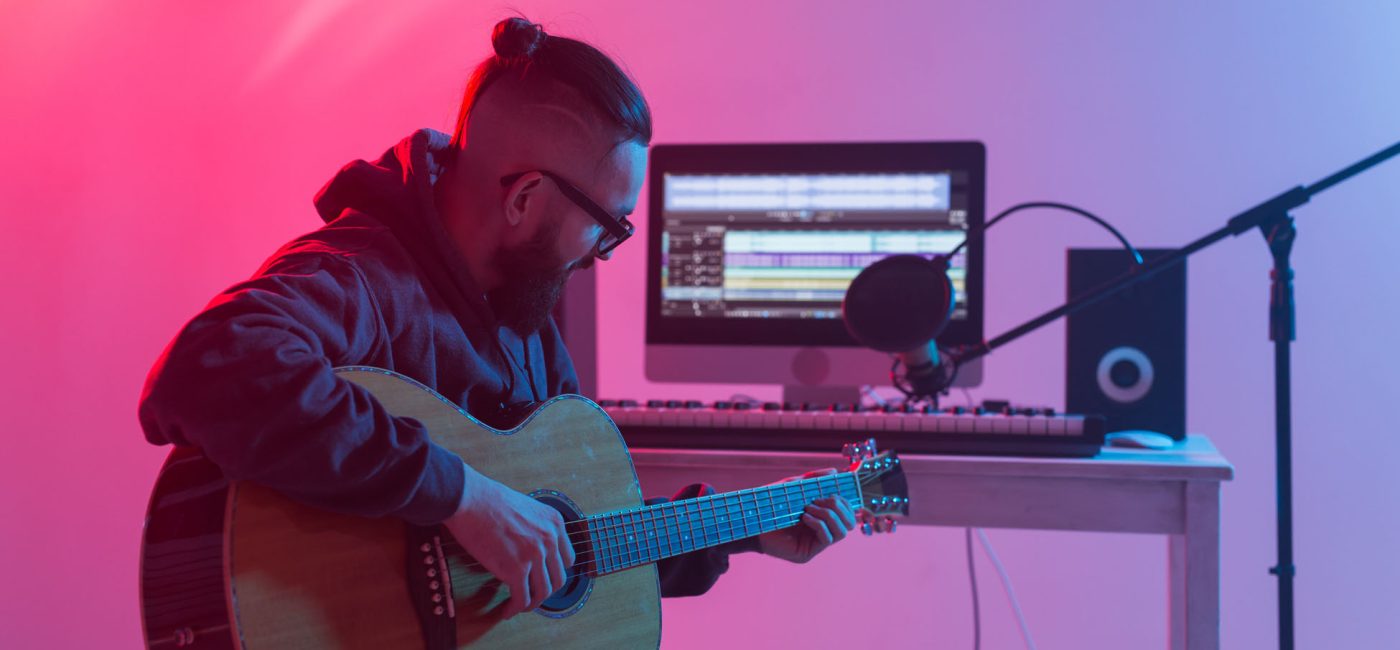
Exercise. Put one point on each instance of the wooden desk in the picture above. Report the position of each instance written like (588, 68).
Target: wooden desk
(1173, 492)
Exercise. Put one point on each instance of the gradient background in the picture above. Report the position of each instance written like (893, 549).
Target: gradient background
(155, 152)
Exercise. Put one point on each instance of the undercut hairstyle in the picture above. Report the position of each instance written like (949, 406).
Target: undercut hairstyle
(538, 61)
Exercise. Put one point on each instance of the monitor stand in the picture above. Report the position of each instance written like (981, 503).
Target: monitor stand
(821, 394)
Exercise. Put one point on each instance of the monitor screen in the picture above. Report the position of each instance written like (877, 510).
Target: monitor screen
(756, 244)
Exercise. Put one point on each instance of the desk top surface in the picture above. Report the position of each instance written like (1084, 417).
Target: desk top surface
(1192, 459)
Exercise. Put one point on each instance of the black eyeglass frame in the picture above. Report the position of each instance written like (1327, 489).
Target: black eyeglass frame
(618, 229)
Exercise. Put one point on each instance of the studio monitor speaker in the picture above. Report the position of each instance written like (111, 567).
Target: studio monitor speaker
(1126, 354)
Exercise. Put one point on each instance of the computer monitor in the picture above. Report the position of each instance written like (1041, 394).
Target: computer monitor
(751, 248)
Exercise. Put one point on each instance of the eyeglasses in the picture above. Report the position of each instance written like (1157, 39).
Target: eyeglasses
(616, 229)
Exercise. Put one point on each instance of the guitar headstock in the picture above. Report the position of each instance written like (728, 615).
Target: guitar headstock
(884, 491)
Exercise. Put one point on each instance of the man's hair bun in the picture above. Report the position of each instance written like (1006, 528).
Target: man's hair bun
(540, 66)
(516, 37)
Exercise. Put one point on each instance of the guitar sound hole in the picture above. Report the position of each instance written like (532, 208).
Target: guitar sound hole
(571, 596)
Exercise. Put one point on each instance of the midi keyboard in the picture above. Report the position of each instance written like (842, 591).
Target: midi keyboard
(787, 427)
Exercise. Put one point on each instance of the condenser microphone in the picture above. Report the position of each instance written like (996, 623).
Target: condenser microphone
(899, 305)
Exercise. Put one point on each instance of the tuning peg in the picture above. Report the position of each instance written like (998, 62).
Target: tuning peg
(866, 529)
(858, 451)
(890, 524)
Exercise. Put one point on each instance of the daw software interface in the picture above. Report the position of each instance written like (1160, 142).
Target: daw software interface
(786, 246)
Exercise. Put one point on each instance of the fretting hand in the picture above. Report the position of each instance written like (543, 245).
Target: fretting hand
(823, 523)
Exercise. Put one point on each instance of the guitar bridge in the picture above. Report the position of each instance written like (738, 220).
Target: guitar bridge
(430, 587)
(442, 588)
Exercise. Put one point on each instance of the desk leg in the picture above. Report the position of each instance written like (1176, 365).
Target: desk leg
(1194, 571)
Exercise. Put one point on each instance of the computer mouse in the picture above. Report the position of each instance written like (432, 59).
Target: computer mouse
(1139, 439)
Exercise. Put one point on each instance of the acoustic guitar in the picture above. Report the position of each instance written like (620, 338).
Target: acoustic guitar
(230, 564)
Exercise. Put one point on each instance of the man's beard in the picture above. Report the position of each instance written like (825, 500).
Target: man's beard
(531, 283)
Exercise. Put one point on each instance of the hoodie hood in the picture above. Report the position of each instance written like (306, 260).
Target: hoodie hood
(397, 191)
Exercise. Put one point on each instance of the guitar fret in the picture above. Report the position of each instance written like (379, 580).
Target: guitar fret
(780, 507)
(602, 551)
(649, 535)
(663, 535)
(723, 524)
(615, 556)
(625, 539)
(794, 507)
(595, 536)
(592, 543)
(721, 508)
(653, 550)
(739, 527)
(668, 540)
(595, 524)
(639, 535)
(697, 525)
(691, 514)
(624, 549)
(668, 530)
(721, 518)
(701, 524)
(634, 554)
(731, 526)
(743, 528)
(673, 529)
(616, 553)
(711, 525)
(621, 533)
(744, 513)
(754, 513)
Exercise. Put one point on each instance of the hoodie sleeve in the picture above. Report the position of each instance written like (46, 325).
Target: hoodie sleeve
(249, 381)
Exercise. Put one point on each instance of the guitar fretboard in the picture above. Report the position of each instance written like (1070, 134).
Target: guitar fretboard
(622, 540)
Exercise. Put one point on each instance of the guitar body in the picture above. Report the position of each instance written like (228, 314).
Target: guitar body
(236, 565)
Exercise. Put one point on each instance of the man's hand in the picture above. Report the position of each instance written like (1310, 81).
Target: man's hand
(823, 523)
(518, 539)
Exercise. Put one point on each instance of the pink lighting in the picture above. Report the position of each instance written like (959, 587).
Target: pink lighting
(154, 153)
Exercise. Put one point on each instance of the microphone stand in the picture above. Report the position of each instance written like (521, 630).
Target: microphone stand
(1274, 223)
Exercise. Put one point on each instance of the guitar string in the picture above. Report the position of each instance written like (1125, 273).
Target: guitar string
(700, 501)
(700, 508)
(581, 535)
(617, 544)
(621, 552)
(460, 571)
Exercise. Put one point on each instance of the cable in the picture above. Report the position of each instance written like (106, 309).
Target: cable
(1137, 257)
(867, 391)
(1006, 587)
(972, 578)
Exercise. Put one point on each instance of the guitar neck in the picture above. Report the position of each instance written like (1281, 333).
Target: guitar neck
(622, 540)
